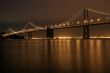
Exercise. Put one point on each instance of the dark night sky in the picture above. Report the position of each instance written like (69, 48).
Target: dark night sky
(44, 11)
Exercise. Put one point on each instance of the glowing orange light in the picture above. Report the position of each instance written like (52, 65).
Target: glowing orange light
(98, 19)
(85, 21)
(91, 20)
(68, 24)
(64, 37)
(78, 22)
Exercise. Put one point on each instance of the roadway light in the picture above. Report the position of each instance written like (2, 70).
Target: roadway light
(78, 22)
(85, 21)
(68, 24)
(91, 20)
(60, 24)
(56, 25)
(98, 19)
(63, 24)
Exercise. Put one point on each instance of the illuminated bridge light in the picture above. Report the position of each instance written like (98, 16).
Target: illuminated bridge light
(51, 26)
(39, 27)
(78, 22)
(67, 23)
(54, 26)
(34, 38)
(64, 37)
(63, 24)
(91, 20)
(98, 19)
(85, 21)
(60, 24)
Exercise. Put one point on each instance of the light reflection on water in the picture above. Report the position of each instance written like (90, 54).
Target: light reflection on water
(55, 56)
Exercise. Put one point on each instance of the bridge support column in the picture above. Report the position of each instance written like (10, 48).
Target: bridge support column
(50, 33)
(29, 35)
(85, 25)
(86, 32)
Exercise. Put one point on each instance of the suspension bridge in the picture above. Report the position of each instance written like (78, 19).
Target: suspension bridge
(84, 18)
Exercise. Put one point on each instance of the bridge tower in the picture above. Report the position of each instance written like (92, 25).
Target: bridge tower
(29, 35)
(85, 25)
(50, 32)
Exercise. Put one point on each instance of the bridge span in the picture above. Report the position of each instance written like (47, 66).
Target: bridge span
(84, 18)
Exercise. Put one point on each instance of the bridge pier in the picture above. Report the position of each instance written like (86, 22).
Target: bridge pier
(50, 33)
(29, 35)
(85, 24)
(86, 32)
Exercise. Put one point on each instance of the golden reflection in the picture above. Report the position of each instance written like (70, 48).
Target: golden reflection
(99, 52)
(78, 52)
(51, 46)
(46, 47)
(64, 55)
(92, 54)
(101, 37)
(99, 60)
(95, 47)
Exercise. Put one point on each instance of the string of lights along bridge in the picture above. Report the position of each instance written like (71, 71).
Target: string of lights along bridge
(84, 18)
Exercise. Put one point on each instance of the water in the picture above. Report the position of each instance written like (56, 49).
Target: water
(55, 56)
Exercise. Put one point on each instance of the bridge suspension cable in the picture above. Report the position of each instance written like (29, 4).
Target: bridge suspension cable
(99, 12)
(73, 17)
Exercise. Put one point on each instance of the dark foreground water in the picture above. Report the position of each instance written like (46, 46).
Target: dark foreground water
(55, 56)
